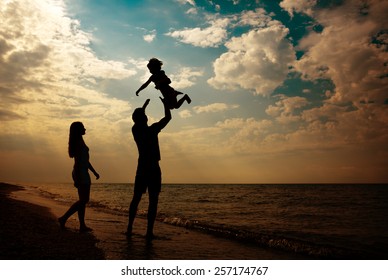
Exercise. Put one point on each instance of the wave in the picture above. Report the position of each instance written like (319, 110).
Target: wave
(305, 245)
(273, 240)
(263, 239)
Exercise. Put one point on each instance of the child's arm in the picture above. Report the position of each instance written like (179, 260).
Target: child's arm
(143, 86)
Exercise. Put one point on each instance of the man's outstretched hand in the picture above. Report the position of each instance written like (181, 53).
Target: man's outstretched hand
(146, 103)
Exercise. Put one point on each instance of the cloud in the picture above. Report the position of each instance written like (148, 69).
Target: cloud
(215, 107)
(298, 6)
(212, 36)
(40, 44)
(50, 76)
(245, 135)
(184, 114)
(284, 109)
(258, 60)
(6, 115)
(185, 78)
(183, 2)
(347, 53)
(20, 67)
(256, 18)
(217, 32)
(211, 108)
(351, 52)
(192, 11)
(150, 36)
(344, 52)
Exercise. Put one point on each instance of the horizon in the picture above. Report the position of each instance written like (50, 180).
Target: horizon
(167, 183)
(282, 91)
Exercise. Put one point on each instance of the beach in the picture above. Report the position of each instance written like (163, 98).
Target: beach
(30, 232)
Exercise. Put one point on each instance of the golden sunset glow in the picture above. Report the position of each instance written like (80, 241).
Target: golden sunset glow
(287, 92)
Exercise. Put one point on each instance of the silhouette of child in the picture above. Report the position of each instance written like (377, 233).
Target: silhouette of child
(162, 83)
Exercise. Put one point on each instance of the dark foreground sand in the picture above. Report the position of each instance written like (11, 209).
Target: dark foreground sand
(29, 231)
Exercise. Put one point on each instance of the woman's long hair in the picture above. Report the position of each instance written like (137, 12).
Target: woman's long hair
(75, 138)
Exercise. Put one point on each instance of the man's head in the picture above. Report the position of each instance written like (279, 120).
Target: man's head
(139, 116)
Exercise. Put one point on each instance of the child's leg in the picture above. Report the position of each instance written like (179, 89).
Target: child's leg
(183, 99)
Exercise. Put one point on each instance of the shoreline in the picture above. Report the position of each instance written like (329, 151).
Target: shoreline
(31, 231)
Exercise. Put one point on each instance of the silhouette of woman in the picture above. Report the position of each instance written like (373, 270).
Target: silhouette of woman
(80, 152)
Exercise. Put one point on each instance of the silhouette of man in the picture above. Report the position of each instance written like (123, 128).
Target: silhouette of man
(148, 173)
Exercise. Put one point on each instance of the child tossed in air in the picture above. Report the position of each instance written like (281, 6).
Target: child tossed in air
(162, 83)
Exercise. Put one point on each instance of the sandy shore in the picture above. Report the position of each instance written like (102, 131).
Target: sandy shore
(30, 231)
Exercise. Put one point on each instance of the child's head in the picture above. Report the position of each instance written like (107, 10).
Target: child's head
(154, 65)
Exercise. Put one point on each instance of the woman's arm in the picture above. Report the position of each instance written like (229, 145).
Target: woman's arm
(94, 171)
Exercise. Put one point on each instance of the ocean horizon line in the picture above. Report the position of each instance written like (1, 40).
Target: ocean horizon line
(212, 183)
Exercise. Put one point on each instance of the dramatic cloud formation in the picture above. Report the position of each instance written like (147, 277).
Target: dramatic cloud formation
(53, 52)
(258, 60)
(49, 77)
(288, 91)
(346, 53)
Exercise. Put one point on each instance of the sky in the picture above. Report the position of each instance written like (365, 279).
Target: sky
(282, 91)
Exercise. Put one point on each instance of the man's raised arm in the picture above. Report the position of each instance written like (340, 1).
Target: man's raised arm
(167, 115)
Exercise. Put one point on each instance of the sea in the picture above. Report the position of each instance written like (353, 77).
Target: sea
(325, 221)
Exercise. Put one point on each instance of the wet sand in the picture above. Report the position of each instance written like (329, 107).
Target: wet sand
(30, 231)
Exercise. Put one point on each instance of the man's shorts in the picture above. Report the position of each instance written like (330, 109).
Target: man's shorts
(150, 178)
